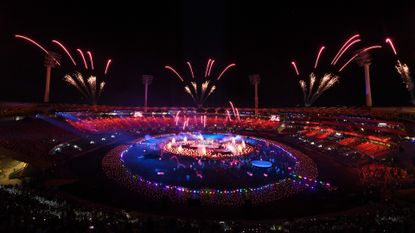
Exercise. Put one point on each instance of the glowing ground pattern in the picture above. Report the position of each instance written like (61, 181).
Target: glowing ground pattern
(150, 160)
(215, 170)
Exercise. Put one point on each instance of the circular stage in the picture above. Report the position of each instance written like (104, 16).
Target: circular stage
(217, 168)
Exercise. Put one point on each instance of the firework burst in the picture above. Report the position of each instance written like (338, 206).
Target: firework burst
(90, 88)
(310, 93)
(403, 71)
(85, 77)
(200, 87)
(313, 87)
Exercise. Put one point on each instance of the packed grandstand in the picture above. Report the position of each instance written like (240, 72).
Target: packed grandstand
(112, 169)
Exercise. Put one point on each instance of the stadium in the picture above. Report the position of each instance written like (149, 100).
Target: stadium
(185, 116)
(228, 166)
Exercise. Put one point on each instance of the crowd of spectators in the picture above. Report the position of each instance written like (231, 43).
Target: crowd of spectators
(32, 138)
(348, 147)
(29, 210)
(381, 174)
(110, 124)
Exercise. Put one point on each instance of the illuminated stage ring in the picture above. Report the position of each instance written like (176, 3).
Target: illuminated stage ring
(203, 148)
(302, 177)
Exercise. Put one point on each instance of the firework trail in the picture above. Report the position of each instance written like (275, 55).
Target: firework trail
(82, 83)
(33, 42)
(90, 59)
(176, 118)
(347, 47)
(69, 79)
(83, 58)
(200, 89)
(184, 125)
(295, 68)
(318, 56)
(358, 53)
(224, 70)
(212, 89)
(237, 114)
(191, 69)
(205, 85)
(64, 49)
(343, 47)
(389, 41)
(233, 108)
(348, 62)
(107, 66)
(175, 72)
(194, 85)
(37, 45)
(228, 115)
(326, 83)
(207, 67)
(187, 90)
(210, 68)
(92, 81)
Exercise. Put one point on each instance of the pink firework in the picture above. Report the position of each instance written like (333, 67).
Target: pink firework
(66, 50)
(224, 70)
(344, 45)
(33, 42)
(363, 50)
(175, 72)
(233, 108)
(90, 59)
(191, 69)
(318, 56)
(107, 66)
(237, 114)
(328, 80)
(344, 50)
(347, 63)
(200, 89)
(295, 68)
(83, 58)
(389, 41)
(210, 67)
(372, 47)
(228, 115)
(207, 67)
(37, 45)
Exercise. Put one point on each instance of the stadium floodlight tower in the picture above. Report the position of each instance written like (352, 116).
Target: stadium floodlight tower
(364, 59)
(52, 59)
(255, 79)
(147, 79)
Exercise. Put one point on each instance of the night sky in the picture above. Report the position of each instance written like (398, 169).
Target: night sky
(259, 37)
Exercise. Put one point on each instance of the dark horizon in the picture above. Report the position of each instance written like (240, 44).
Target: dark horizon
(259, 38)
